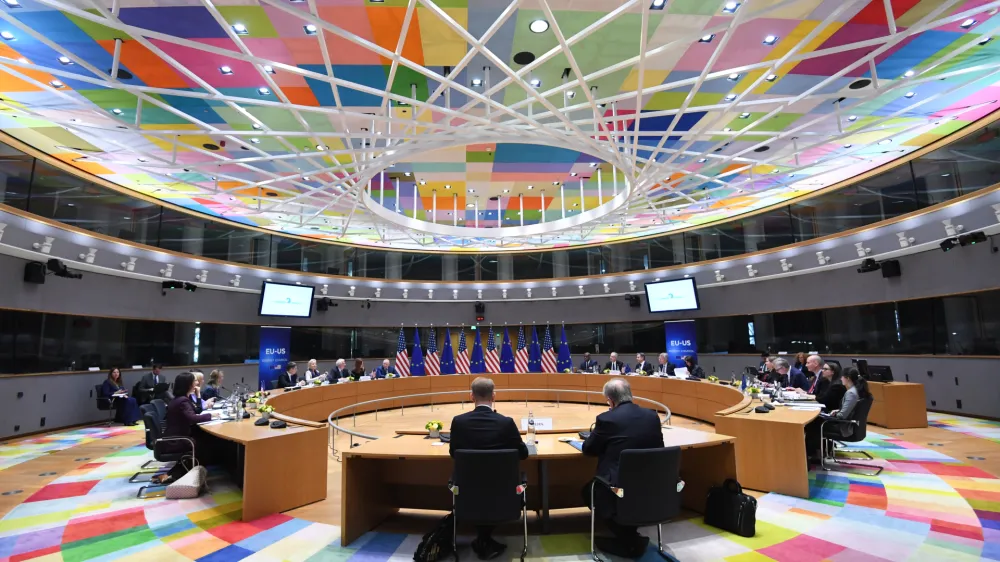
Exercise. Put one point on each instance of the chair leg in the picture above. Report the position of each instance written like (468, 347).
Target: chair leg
(659, 545)
(454, 530)
(842, 464)
(157, 494)
(593, 519)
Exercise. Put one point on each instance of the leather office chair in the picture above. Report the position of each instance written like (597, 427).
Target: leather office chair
(105, 403)
(647, 492)
(161, 412)
(488, 488)
(155, 441)
(273, 385)
(858, 422)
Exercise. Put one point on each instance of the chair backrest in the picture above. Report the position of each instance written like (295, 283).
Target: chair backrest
(103, 402)
(152, 429)
(273, 384)
(147, 409)
(860, 415)
(487, 486)
(161, 409)
(648, 479)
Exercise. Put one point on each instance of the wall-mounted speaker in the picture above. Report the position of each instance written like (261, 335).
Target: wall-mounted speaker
(34, 272)
(891, 268)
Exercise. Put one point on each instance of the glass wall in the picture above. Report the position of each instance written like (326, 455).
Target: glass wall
(32, 342)
(969, 164)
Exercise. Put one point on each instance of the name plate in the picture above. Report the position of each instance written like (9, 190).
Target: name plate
(540, 423)
(364, 378)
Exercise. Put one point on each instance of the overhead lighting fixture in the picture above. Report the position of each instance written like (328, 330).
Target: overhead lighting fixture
(707, 38)
(538, 26)
(320, 147)
(240, 29)
(255, 140)
(730, 7)
(264, 91)
(310, 29)
(909, 94)
(225, 70)
(65, 60)
(116, 111)
(535, 82)
(7, 35)
(968, 23)
(12, 3)
(730, 97)
(852, 117)
(734, 77)
(908, 73)
(744, 115)
(56, 84)
(770, 39)
(658, 4)
(268, 69)
(477, 82)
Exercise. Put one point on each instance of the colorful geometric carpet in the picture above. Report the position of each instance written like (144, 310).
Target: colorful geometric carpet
(27, 449)
(924, 506)
(984, 429)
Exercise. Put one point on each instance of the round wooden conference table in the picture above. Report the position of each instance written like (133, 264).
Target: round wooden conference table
(764, 451)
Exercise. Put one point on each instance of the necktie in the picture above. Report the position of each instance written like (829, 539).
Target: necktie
(813, 387)
(156, 379)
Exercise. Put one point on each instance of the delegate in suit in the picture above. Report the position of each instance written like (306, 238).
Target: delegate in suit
(484, 429)
(589, 365)
(149, 382)
(615, 364)
(289, 377)
(384, 369)
(790, 377)
(624, 426)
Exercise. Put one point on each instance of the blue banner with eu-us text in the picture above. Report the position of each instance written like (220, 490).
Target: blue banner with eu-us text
(274, 353)
(681, 341)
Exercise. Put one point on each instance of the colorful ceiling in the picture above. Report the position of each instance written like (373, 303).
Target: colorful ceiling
(315, 117)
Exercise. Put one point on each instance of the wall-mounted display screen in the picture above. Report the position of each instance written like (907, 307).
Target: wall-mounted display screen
(671, 296)
(280, 299)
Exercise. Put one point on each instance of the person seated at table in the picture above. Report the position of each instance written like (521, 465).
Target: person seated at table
(694, 369)
(768, 374)
(312, 371)
(339, 371)
(762, 368)
(625, 426)
(812, 371)
(359, 370)
(829, 389)
(615, 364)
(641, 366)
(149, 382)
(290, 376)
(484, 429)
(856, 389)
(199, 404)
(214, 386)
(384, 369)
(800, 360)
(788, 377)
(181, 417)
(589, 365)
(663, 366)
(126, 407)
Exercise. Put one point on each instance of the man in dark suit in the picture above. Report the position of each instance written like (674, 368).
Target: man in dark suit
(384, 369)
(148, 385)
(664, 367)
(289, 377)
(641, 367)
(615, 364)
(339, 371)
(625, 426)
(790, 377)
(588, 365)
(484, 429)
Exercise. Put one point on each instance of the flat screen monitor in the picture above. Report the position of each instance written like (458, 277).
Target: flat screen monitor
(281, 299)
(672, 296)
(880, 373)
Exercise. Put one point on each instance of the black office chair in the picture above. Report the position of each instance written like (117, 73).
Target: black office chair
(273, 385)
(105, 403)
(161, 412)
(488, 489)
(858, 422)
(647, 492)
(155, 441)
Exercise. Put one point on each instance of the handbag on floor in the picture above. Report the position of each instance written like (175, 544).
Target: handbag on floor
(188, 486)
(437, 544)
(729, 509)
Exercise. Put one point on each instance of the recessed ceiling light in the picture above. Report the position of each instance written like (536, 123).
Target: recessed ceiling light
(535, 82)
(310, 29)
(734, 77)
(320, 147)
(852, 117)
(255, 140)
(240, 29)
(909, 73)
(730, 7)
(56, 84)
(477, 82)
(770, 39)
(730, 97)
(707, 38)
(985, 40)
(968, 23)
(744, 115)
(268, 69)
(571, 94)
(771, 77)
(885, 141)
(538, 26)
(225, 70)
(116, 111)
(658, 4)
(263, 91)
(702, 160)
(65, 60)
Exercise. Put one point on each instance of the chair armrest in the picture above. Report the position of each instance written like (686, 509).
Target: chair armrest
(189, 441)
(604, 482)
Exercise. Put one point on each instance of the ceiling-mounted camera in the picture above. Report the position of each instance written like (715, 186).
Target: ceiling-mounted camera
(59, 269)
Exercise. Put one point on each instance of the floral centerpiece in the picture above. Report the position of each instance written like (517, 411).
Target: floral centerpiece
(713, 378)
(607, 371)
(265, 411)
(317, 381)
(754, 391)
(567, 371)
(390, 375)
(434, 428)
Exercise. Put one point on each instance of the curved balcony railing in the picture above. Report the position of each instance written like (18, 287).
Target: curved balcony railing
(35, 183)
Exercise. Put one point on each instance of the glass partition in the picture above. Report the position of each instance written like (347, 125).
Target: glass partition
(966, 165)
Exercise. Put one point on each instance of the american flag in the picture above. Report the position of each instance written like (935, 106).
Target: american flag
(432, 361)
(492, 358)
(462, 360)
(402, 359)
(548, 354)
(521, 357)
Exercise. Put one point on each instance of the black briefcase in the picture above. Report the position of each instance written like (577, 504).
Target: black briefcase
(729, 509)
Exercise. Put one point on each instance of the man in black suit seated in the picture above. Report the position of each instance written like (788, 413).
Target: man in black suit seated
(664, 367)
(289, 377)
(149, 382)
(625, 426)
(339, 371)
(484, 429)
(615, 364)
(588, 365)
(384, 370)
(641, 367)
